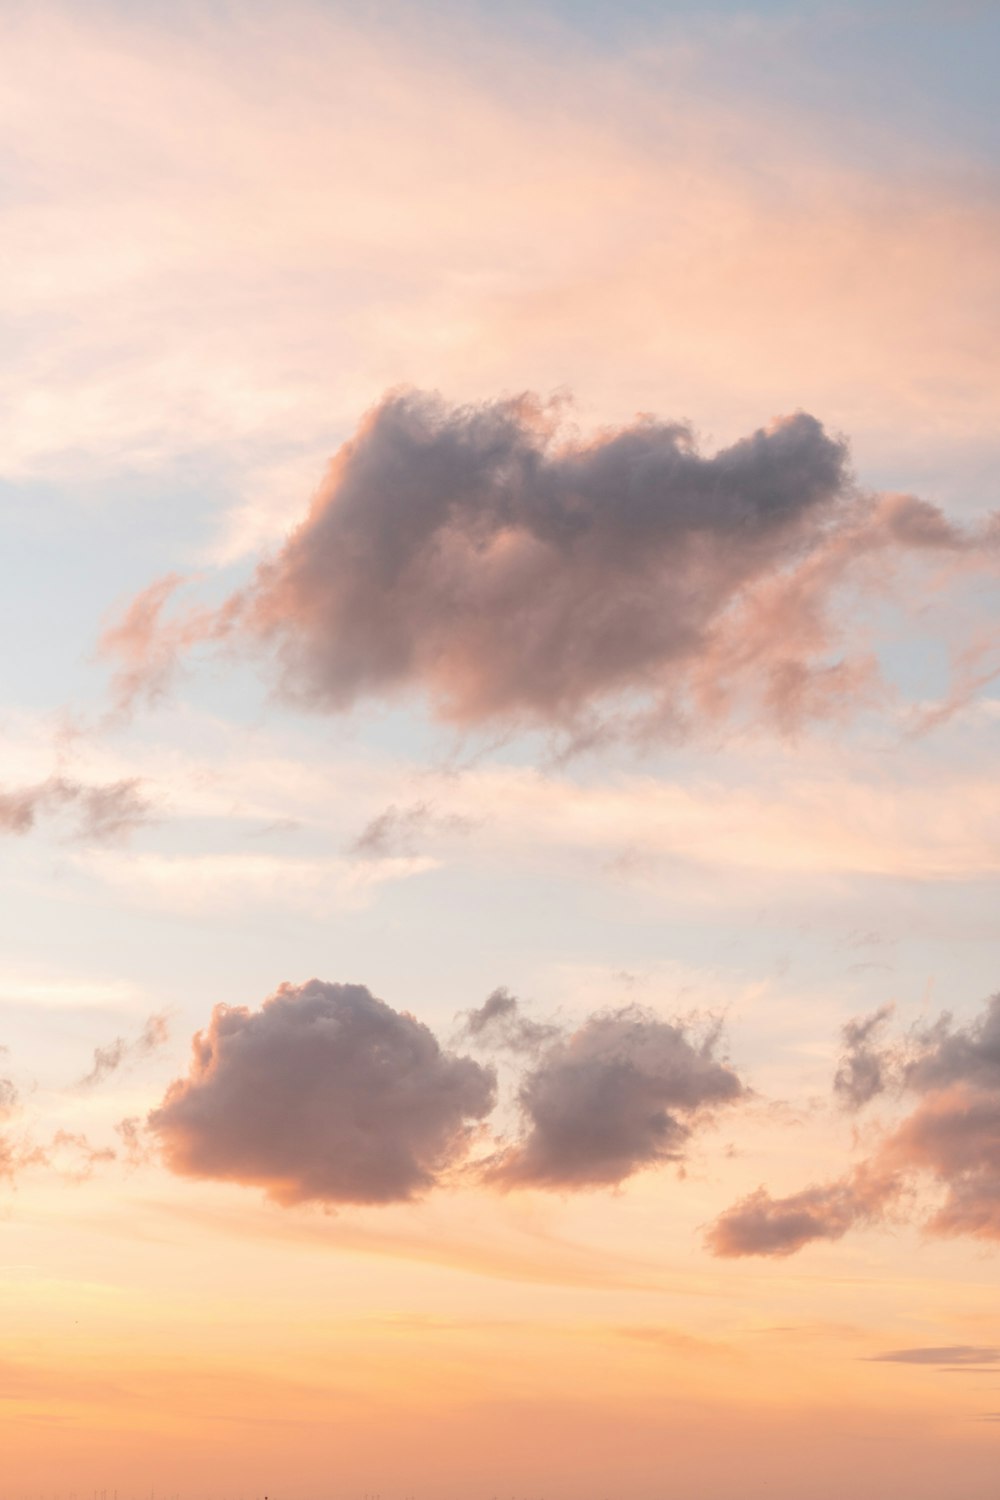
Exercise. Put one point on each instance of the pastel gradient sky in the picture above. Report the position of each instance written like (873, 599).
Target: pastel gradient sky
(499, 824)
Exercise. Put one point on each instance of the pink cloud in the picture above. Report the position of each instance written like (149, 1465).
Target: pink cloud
(489, 561)
(950, 1141)
(324, 1094)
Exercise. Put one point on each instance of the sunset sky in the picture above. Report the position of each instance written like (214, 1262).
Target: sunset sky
(499, 717)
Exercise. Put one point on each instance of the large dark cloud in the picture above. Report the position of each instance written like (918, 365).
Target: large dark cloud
(71, 1155)
(949, 1142)
(512, 573)
(623, 1092)
(101, 813)
(325, 1093)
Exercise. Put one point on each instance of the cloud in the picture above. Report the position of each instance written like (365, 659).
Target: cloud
(17, 1150)
(67, 1153)
(116, 1054)
(486, 558)
(953, 1136)
(623, 1092)
(500, 1024)
(398, 832)
(762, 1225)
(324, 1094)
(108, 813)
(949, 1141)
(8, 1098)
(72, 1156)
(135, 1141)
(147, 647)
(864, 1067)
(971, 1356)
(104, 813)
(966, 1055)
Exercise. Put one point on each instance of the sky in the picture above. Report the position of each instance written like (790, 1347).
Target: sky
(499, 828)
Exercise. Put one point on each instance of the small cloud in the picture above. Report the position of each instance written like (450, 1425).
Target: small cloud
(762, 1225)
(325, 1094)
(499, 1024)
(121, 1051)
(867, 1062)
(624, 1092)
(109, 813)
(399, 832)
(149, 648)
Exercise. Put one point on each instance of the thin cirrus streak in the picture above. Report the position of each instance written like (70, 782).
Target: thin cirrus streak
(512, 574)
(121, 1052)
(950, 1141)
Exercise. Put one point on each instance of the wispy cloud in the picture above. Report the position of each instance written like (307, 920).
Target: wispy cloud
(762, 1225)
(500, 1024)
(101, 813)
(325, 1093)
(947, 1357)
(122, 1052)
(623, 1092)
